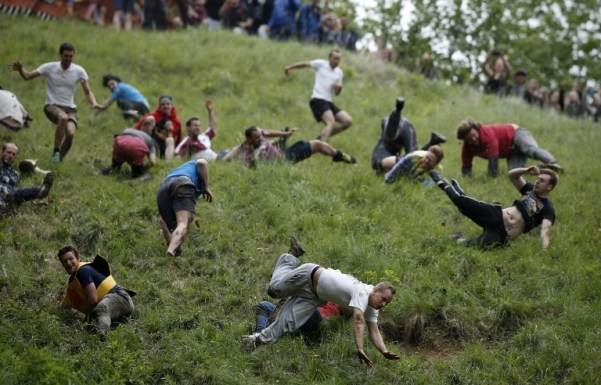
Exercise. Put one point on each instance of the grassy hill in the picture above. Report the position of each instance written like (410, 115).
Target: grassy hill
(460, 316)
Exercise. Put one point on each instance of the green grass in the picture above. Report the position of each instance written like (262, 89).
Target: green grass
(461, 316)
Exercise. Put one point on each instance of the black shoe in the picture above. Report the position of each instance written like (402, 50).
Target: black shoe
(107, 170)
(456, 186)
(400, 103)
(296, 248)
(44, 188)
(342, 157)
(438, 179)
(436, 138)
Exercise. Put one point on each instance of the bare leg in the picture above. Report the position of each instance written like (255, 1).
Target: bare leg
(165, 231)
(68, 139)
(128, 22)
(117, 20)
(61, 129)
(184, 220)
(328, 119)
(343, 121)
(322, 147)
(388, 162)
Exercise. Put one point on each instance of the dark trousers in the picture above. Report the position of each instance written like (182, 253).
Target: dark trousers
(486, 215)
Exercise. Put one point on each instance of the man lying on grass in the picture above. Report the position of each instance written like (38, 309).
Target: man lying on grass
(308, 286)
(534, 208)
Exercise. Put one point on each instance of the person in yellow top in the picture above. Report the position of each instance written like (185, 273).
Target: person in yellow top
(92, 290)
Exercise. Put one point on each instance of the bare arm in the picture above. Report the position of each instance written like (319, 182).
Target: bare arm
(485, 68)
(212, 121)
(233, 153)
(89, 94)
(26, 75)
(358, 328)
(302, 64)
(91, 297)
(152, 158)
(202, 167)
(376, 338)
(516, 175)
(105, 104)
(545, 233)
(279, 134)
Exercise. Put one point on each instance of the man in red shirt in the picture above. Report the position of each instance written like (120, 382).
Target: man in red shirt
(496, 141)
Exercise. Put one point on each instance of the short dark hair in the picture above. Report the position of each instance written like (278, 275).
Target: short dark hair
(108, 77)
(66, 47)
(248, 132)
(65, 249)
(189, 122)
(466, 126)
(554, 177)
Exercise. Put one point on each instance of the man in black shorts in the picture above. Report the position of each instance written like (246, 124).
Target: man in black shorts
(176, 200)
(258, 147)
(328, 81)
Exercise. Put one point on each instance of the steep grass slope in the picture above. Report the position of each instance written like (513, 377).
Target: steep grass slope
(517, 315)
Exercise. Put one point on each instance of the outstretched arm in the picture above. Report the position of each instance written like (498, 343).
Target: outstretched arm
(105, 104)
(302, 64)
(26, 75)
(89, 94)
(279, 134)
(212, 121)
(376, 338)
(516, 175)
(358, 328)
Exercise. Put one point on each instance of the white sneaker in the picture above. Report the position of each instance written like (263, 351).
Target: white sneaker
(250, 342)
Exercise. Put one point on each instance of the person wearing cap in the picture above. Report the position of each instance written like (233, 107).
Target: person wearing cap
(62, 78)
(494, 141)
(165, 111)
(328, 82)
(519, 87)
(129, 99)
(10, 192)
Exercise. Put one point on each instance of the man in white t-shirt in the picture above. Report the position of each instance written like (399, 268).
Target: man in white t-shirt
(197, 145)
(328, 81)
(61, 81)
(309, 286)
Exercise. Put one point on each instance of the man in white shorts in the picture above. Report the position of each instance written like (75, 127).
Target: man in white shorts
(328, 81)
(61, 79)
(309, 286)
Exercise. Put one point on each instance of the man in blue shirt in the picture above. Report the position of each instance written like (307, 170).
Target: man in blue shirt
(176, 200)
(282, 23)
(131, 101)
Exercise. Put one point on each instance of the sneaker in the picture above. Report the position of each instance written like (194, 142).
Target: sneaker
(56, 157)
(131, 114)
(342, 157)
(438, 179)
(400, 103)
(296, 248)
(250, 342)
(44, 188)
(178, 251)
(456, 186)
(553, 166)
(107, 170)
(436, 138)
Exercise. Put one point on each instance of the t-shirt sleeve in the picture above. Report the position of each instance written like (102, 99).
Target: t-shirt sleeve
(525, 188)
(316, 64)
(83, 75)
(44, 69)
(84, 276)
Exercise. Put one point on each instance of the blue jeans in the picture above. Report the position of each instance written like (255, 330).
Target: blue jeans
(264, 309)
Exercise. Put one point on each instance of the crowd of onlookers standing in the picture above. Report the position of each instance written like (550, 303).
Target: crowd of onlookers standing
(275, 19)
(568, 98)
